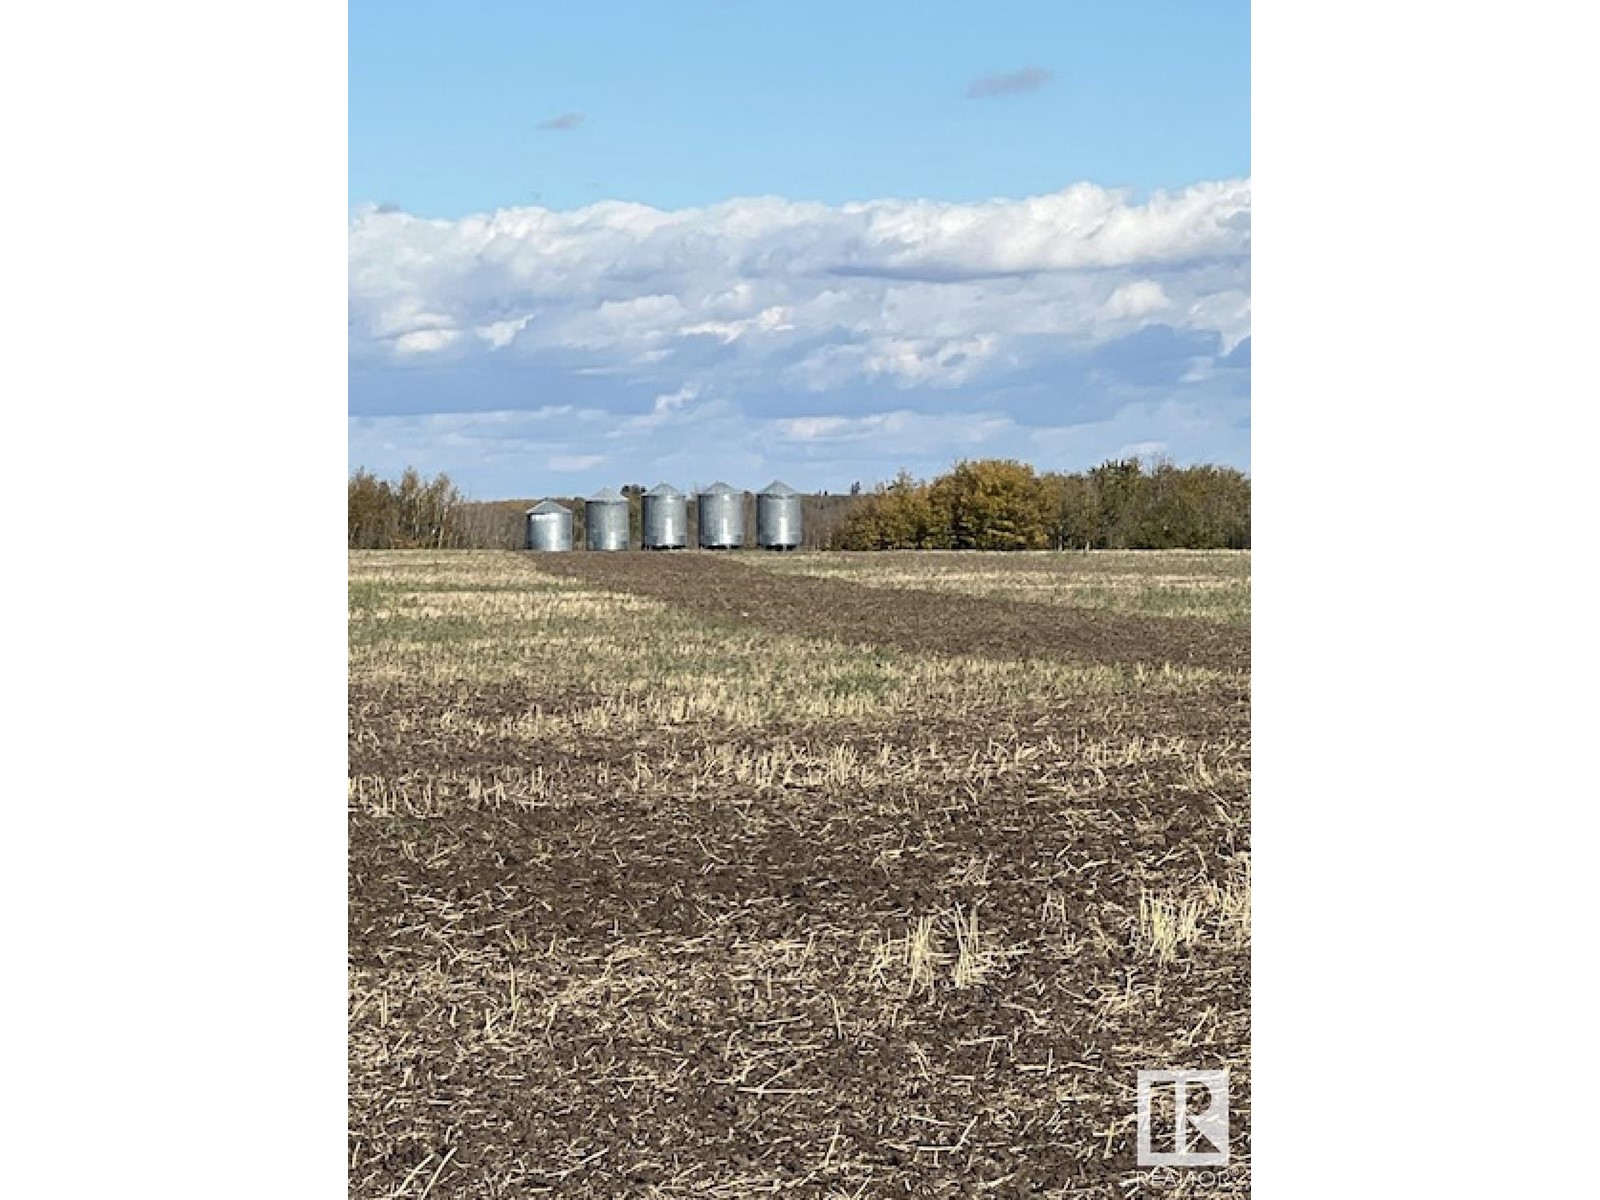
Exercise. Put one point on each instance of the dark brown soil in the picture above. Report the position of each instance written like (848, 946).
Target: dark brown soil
(597, 963)
(696, 1012)
(721, 587)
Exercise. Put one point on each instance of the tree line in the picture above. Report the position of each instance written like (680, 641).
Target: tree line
(989, 504)
(1001, 504)
(409, 514)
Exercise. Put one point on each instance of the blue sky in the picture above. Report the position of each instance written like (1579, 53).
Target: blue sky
(615, 242)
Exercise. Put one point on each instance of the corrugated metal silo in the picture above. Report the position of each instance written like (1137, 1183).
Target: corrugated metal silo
(549, 527)
(605, 521)
(664, 518)
(721, 511)
(777, 517)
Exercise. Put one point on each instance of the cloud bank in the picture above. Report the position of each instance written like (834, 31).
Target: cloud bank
(825, 343)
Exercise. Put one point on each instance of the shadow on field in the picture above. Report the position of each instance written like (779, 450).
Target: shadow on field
(720, 586)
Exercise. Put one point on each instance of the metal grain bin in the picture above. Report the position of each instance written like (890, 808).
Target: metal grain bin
(721, 511)
(664, 518)
(777, 517)
(549, 527)
(605, 521)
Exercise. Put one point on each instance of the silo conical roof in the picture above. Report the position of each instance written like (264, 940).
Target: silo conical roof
(717, 489)
(608, 496)
(547, 506)
(776, 488)
(663, 489)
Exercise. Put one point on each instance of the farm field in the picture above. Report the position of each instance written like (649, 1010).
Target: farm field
(1212, 584)
(815, 874)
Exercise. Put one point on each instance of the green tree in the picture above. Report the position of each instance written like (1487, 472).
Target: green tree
(1074, 511)
(1119, 495)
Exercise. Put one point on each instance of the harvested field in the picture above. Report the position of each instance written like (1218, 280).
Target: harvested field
(675, 876)
(873, 612)
(1210, 584)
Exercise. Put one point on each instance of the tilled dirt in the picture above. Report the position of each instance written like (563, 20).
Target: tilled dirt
(612, 985)
(719, 586)
(683, 960)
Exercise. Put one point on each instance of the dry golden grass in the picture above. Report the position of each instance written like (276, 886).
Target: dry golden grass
(429, 618)
(1208, 584)
(1172, 923)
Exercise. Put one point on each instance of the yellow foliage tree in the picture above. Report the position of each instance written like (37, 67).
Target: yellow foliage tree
(994, 504)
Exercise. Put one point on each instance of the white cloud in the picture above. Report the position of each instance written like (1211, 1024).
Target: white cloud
(621, 276)
(671, 401)
(816, 429)
(1227, 311)
(501, 334)
(424, 341)
(666, 325)
(768, 320)
(912, 432)
(1138, 299)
